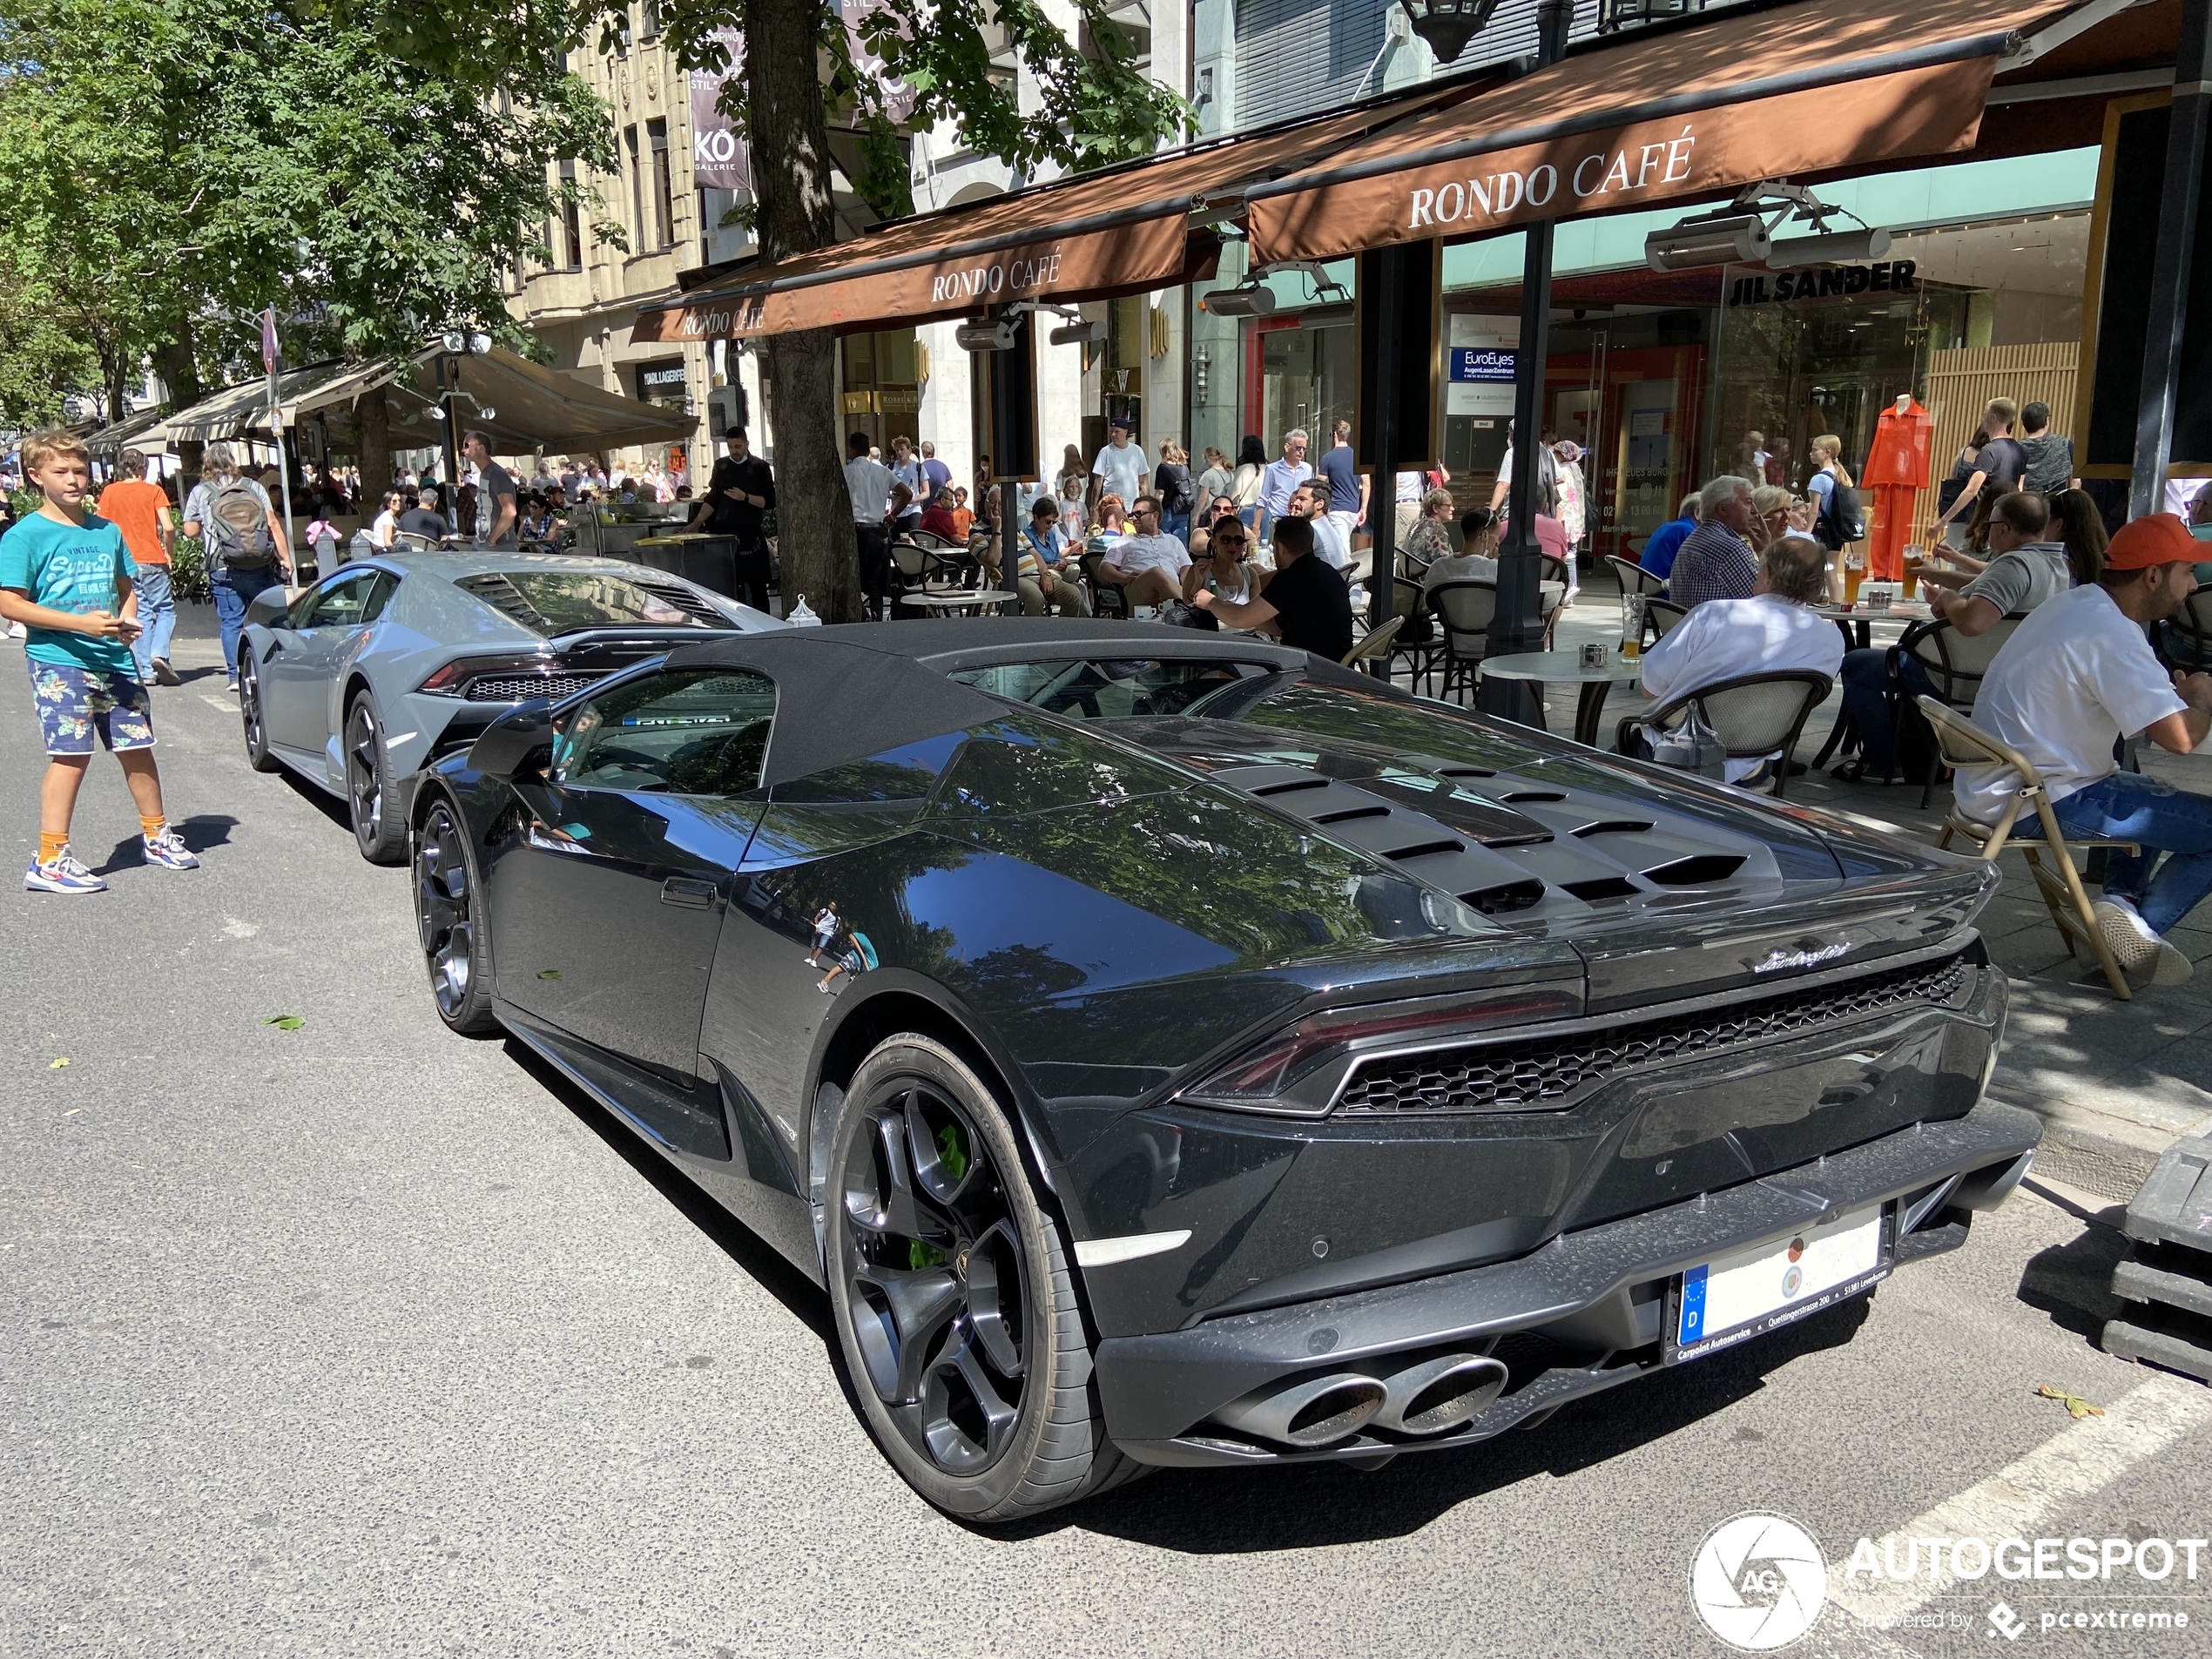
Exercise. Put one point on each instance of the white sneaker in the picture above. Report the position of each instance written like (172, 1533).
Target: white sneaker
(63, 872)
(2136, 946)
(17, 630)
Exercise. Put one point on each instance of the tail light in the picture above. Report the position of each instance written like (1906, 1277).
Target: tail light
(509, 679)
(1300, 1071)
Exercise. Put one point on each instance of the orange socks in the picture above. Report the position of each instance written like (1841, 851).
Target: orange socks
(150, 827)
(50, 846)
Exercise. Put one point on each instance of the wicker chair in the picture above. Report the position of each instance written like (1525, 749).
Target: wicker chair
(1420, 656)
(1634, 578)
(1463, 611)
(1964, 744)
(1954, 663)
(1106, 598)
(1753, 716)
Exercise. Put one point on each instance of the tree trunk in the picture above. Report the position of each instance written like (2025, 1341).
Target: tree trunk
(180, 373)
(790, 183)
(373, 452)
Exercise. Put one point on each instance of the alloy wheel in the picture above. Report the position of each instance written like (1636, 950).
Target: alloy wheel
(364, 771)
(249, 704)
(443, 909)
(939, 1297)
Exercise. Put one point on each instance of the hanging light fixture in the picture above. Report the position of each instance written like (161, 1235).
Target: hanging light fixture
(1448, 25)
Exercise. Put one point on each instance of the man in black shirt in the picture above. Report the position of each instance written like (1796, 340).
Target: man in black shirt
(741, 491)
(1305, 600)
(424, 519)
(497, 496)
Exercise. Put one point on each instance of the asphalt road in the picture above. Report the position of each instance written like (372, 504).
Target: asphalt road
(362, 1340)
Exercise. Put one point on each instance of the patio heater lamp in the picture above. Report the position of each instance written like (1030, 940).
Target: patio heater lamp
(1448, 25)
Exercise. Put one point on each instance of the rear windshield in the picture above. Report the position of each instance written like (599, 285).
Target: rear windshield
(1107, 690)
(559, 602)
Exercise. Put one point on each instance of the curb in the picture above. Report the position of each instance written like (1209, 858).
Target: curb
(2107, 1156)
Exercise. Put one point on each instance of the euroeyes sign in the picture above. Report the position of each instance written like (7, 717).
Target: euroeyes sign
(1481, 366)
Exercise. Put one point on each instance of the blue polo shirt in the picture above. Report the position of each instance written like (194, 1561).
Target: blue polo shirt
(77, 568)
(1666, 541)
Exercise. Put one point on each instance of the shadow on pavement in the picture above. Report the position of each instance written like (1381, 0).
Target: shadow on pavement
(2072, 1282)
(329, 806)
(201, 831)
(1237, 1512)
(801, 1298)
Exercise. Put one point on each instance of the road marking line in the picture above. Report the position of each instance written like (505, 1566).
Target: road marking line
(2073, 1463)
(227, 704)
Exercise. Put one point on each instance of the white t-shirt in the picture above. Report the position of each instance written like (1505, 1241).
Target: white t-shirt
(1726, 639)
(868, 482)
(1331, 543)
(1125, 470)
(1138, 553)
(2075, 679)
(1411, 485)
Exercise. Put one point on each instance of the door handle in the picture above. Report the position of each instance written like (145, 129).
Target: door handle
(683, 891)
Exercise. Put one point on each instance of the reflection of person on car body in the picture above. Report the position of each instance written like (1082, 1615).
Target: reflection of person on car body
(855, 959)
(825, 921)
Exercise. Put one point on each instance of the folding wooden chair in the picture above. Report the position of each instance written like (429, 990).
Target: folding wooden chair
(1964, 744)
(1376, 642)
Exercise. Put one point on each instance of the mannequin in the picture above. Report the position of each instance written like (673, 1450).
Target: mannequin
(1897, 470)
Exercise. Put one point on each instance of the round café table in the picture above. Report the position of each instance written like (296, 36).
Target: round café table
(1565, 668)
(1854, 620)
(951, 601)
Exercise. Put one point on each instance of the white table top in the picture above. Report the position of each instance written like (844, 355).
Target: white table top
(1558, 667)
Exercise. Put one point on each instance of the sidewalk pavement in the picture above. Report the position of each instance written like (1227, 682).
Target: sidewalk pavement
(2115, 1083)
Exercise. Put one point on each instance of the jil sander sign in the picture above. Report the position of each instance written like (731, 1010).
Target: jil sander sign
(1824, 282)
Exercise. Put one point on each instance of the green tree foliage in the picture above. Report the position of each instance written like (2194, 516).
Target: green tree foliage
(170, 162)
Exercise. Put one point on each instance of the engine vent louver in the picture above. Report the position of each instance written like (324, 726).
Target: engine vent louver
(1509, 896)
(1705, 870)
(1531, 1073)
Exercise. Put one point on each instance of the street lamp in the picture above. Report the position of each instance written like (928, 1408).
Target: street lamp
(1448, 25)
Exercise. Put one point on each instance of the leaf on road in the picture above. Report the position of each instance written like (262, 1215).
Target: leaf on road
(286, 1021)
(549, 973)
(56, 1065)
(2075, 1405)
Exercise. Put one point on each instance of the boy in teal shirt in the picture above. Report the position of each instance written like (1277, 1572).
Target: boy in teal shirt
(67, 576)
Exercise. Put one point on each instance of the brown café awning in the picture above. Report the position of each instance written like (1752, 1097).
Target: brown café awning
(1686, 112)
(1089, 237)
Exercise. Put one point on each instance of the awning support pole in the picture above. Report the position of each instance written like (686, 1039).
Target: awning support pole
(1382, 495)
(2170, 273)
(1518, 623)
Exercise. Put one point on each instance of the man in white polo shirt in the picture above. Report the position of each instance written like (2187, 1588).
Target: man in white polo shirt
(1147, 566)
(2075, 678)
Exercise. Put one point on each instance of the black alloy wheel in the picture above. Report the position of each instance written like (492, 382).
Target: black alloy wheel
(251, 712)
(445, 915)
(955, 1307)
(378, 830)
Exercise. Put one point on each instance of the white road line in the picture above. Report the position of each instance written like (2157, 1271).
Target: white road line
(2014, 1503)
(227, 704)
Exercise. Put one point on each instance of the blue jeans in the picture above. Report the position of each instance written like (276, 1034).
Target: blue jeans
(1177, 525)
(1866, 694)
(2127, 806)
(157, 615)
(234, 590)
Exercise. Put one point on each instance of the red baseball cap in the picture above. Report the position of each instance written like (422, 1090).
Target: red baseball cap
(2156, 538)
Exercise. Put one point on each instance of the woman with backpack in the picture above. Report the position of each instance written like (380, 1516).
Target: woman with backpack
(243, 541)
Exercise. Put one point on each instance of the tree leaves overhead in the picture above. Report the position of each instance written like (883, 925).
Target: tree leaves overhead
(172, 164)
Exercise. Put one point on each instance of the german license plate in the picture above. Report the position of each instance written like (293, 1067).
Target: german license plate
(1747, 1292)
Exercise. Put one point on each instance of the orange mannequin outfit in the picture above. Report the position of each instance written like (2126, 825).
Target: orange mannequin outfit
(1897, 470)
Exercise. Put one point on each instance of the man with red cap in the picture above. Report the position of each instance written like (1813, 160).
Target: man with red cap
(2075, 678)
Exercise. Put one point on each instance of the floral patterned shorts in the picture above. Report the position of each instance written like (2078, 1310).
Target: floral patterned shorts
(73, 702)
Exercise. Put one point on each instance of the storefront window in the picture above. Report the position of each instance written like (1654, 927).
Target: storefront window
(882, 392)
(1820, 350)
(1306, 371)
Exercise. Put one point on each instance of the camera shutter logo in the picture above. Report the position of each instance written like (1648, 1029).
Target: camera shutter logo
(1758, 1582)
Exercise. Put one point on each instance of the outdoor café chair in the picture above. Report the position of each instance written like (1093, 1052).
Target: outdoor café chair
(1961, 743)
(1753, 716)
(1375, 643)
(1421, 655)
(2184, 639)
(1463, 611)
(1634, 578)
(1955, 664)
(1659, 616)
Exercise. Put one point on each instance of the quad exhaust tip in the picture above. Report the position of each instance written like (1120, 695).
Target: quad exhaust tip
(1431, 1397)
(1439, 1394)
(1309, 1411)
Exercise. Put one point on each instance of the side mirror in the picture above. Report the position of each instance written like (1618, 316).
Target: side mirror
(518, 744)
(271, 608)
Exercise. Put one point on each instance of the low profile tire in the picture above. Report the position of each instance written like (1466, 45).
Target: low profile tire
(446, 911)
(954, 1305)
(378, 829)
(253, 715)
